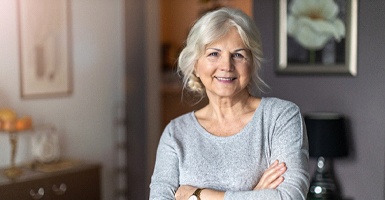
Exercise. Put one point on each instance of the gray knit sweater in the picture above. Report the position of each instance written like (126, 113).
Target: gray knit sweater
(188, 155)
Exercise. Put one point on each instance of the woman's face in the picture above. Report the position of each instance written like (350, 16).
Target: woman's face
(225, 66)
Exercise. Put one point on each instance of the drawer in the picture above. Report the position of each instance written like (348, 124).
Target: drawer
(78, 183)
(24, 191)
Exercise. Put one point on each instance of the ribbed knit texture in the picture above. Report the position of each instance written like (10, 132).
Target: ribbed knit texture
(189, 155)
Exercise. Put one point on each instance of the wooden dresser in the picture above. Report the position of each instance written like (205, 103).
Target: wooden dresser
(78, 182)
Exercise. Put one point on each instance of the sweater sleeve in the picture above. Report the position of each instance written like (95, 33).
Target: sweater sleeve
(287, 143)
(284, 139)
(165, 179)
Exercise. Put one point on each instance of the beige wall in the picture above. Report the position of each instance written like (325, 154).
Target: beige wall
(83, 119)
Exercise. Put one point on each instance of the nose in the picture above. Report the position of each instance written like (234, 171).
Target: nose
(227, 63)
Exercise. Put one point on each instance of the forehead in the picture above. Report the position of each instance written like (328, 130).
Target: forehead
(231, 39)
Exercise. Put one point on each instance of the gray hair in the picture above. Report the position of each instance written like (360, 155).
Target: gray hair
(209, 28)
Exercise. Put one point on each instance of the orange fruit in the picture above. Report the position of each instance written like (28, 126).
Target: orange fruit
(23, 123)
(9, 126)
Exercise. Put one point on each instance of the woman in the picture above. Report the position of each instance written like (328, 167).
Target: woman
(239, 146)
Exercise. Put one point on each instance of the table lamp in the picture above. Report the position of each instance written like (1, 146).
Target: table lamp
(327, 140)
(11, 124)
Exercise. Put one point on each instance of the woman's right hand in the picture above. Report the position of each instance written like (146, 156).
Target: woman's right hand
(272, 176)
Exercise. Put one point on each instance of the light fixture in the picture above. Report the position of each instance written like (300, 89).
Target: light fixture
(327, 140)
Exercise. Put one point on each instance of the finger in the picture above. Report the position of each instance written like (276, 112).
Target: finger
(276, 178)
(270, 184)
(271, 177)
(274, 167)
(275, 163)
(276, 183)
(274, 171)
(269, 170)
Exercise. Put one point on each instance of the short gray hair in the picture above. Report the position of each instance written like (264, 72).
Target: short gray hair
(209, 28)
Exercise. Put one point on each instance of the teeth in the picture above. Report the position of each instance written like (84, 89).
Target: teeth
(225, 79)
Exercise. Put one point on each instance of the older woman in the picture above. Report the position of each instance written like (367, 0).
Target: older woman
(239, 146)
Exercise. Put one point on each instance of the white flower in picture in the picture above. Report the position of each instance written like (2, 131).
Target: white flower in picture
(312, 23)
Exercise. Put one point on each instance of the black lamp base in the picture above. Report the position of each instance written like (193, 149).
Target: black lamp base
(323, 185)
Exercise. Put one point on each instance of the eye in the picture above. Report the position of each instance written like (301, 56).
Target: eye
(213, 54)
(238, 56)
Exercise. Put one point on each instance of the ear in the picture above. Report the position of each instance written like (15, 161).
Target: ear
(195, 72)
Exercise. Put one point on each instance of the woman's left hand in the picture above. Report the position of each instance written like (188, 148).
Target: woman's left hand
(184, 192)
(272, 177)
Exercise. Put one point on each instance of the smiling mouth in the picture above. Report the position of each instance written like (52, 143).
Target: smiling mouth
(225, 78)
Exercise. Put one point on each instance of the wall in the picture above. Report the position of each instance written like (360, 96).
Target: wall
(360, 98)
(142, 79)
(83, 119)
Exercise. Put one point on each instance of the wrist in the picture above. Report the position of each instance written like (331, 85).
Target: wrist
(196, 195)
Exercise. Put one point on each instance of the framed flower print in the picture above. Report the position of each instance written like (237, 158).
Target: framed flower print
(317, 37)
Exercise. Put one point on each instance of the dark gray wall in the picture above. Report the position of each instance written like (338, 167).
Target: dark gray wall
(136, 96)
(360, 98)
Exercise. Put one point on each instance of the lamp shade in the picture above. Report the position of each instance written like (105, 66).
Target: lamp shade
(326, 134)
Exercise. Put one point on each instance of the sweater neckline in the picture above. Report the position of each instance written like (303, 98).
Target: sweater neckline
(244, 130)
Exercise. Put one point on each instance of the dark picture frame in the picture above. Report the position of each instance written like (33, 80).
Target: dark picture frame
(335, 58)
(45, 48)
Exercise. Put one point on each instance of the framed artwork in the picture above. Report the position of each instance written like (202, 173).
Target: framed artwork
(45, 50)
(317, 37)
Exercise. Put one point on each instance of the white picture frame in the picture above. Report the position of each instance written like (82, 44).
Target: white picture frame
(347, 64)
(45, 48)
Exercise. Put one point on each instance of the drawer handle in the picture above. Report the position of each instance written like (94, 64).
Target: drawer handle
(37, 195)
(59, 190)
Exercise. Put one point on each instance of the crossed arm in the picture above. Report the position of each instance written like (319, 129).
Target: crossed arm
(288, 180)
(270, 179)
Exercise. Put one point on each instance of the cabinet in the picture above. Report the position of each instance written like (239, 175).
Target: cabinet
(76, 183)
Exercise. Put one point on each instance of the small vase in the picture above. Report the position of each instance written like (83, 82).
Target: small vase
(45, 144)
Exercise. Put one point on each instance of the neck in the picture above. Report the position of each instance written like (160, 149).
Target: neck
(223, 109)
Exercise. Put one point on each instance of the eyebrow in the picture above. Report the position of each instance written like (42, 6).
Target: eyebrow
(237, 50)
